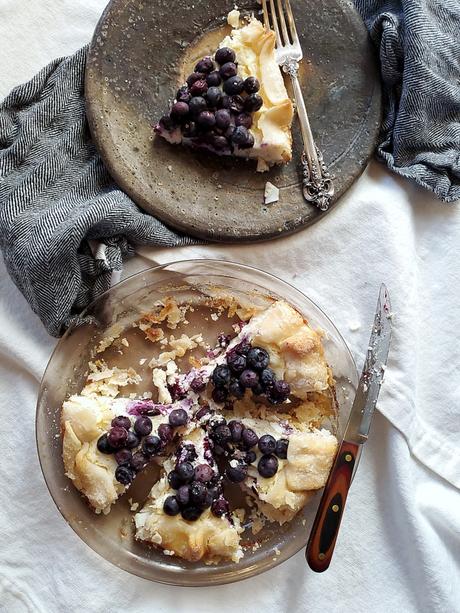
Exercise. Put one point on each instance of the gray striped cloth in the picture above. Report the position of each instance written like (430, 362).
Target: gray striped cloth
(419, 49)
(65, 227)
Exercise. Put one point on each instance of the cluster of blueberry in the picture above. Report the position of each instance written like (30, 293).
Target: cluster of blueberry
(197, 487)
(216, 104)
(237, 442)
(247, 368)
(120, 440)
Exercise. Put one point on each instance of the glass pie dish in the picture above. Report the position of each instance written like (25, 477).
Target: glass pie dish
(112, 535)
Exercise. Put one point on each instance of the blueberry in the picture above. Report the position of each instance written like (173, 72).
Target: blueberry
(171, 506)
(249, 378)
(281, 448)
(183, 495)
(258, 358)
(229, 132)
(223, 118)
(243, 348)
(257, 390)
(198, 384)
(205, 65)
(243, 119)
(249, 438)
(103, 445)
(122, 421)
(205, 410)
(253, 103)
(235, 389)
(214, 96)
(236, 104)
(241, 136)
(236, 474)
(234, 85)
(236, 430)
(190, 129)
(195, 76)
(117, 437)
(174, 480)
(151, 445)
(124, 474)
(186, 452)
(206, 120)
(191, 513)
(221, 435)
(143, 426)
(267, 444)
(267, 466)
(251, 85)
(199, 88)
(279, 392)
(123, 456)
(197, 493)
(225, 102)
(219, 394)
(250, 457)
(228, 70)
(236, 362)
(267, 378)
(213, 79)
(167, 123)
(224, 55)
(178, 417)
(139, 461)
(219, 142)
(218, 420)
(197, 105)
(203, 473)
(180, 111)
(219, 507)
(185, 471)
(221, 376)
(183, 94)
(165, 432)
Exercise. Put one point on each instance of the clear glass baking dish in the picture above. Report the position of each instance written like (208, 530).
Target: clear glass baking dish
(111, 535)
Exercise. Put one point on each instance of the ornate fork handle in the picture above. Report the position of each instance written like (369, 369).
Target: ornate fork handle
(318, 187)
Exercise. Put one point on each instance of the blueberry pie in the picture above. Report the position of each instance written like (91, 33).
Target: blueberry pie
(235, 103)
(253, 412)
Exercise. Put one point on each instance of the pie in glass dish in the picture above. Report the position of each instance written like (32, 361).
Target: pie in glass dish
(254, 413)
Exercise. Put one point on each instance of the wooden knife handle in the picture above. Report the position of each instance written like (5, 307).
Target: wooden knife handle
(325, 528)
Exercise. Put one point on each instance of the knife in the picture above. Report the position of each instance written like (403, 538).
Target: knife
(326, 526)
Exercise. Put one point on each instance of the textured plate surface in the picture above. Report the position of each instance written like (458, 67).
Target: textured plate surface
(141, 51)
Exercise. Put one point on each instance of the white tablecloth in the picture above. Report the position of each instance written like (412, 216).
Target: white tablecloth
(399, 548)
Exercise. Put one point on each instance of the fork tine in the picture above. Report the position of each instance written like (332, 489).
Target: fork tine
(279, 42)
(266, 18)
(291, 21)
(287, 40)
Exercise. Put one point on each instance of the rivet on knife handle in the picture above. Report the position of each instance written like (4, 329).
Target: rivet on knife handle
(329, 515)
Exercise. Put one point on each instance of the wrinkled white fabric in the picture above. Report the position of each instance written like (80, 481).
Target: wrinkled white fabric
(399, 547)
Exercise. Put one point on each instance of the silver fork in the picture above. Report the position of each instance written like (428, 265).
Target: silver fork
(318, 187)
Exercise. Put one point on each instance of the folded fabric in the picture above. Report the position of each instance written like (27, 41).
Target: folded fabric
(419, 48)
(58, 203)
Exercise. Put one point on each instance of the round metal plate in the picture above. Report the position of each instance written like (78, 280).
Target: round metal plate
(139, 55)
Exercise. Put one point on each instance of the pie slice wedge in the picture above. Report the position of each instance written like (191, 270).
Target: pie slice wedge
(235, 103)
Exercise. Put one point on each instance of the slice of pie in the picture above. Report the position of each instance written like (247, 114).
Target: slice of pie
(186, 513)
(235, 103)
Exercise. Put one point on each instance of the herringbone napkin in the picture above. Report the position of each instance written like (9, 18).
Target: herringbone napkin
(65, 227)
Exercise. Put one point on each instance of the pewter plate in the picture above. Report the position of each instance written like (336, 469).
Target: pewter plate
(140, 54)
